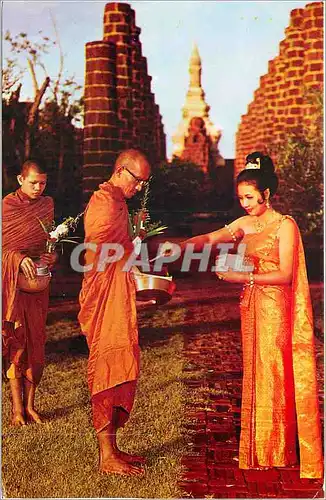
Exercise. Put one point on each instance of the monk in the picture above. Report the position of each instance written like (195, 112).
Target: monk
(108, 312)
(24, 314)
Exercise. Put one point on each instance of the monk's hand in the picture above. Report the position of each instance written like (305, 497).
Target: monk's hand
(28, 268)
(49, 258)
(144, 304)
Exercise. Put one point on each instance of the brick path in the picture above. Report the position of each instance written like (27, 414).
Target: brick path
(213, 351)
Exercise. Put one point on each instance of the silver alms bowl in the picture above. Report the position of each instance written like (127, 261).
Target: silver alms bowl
(40, 283)
(153, 287)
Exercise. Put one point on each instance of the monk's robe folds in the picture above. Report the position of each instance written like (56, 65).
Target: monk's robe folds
(108, 315)
(23, 314)
(280, 397)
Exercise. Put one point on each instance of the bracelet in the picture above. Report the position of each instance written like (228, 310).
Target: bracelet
(251, 280)
(220, 277)
(231, 232)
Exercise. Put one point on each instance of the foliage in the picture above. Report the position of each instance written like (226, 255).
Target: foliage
(300, 169)
(47, 132)
(57, 234)
(13, 69)
(140, 220)
(11, 76)
(176, 191)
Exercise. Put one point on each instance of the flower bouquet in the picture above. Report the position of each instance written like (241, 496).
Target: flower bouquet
(149, 286)
(57, 234)
(140, 225)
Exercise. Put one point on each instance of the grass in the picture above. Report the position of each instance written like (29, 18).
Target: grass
(59, 458)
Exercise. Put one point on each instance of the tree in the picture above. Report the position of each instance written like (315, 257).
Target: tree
(48, 130)
(300, 168)
(175, 191)
(21, 44)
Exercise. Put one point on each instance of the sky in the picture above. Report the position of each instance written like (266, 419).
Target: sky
(236, 39)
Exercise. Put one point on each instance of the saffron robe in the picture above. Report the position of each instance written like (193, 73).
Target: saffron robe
(108, 314)
(23, 314)
(279, 398)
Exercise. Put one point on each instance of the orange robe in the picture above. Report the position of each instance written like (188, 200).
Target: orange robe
(279, 398)
(23, 314)
(108, 314)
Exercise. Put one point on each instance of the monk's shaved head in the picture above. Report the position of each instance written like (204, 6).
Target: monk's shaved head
(32, 164)
(132, 158)
(131, 172)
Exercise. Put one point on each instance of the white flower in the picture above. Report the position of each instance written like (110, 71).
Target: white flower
(137, 245)
(59, 232)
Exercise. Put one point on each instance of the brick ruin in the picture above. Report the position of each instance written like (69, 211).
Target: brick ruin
(120, 108)
(279, 106)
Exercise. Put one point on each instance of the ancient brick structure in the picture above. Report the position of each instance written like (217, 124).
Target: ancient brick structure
(280, 106)
(120, 109)
(197, 144)
(196, 138)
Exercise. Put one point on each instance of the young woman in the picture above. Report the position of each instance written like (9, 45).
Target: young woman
(279, 398)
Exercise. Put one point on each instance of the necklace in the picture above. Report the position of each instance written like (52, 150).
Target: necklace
(260, 226)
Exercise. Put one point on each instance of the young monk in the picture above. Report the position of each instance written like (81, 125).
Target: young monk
(108, 312)
(24, 314)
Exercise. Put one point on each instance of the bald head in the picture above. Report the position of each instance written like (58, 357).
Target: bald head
(131, 171)
(133, 159)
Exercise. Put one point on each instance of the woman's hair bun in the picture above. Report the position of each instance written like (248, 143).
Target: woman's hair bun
(260, 171)
(263, 162)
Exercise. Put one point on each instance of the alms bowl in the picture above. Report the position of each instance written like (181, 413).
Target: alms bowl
(152, 287)
(40, 283)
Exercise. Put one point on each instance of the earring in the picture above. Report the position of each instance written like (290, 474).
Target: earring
(268, 205)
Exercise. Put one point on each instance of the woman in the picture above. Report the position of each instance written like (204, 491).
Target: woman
(279, 398)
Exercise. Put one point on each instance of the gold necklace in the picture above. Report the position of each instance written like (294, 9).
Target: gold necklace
(260, 226)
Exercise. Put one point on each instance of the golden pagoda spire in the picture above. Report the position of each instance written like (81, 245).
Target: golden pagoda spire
(195, 67)
(195, 106)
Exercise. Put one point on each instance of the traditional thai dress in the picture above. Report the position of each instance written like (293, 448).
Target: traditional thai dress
(279, 398)
(23, 314)
(108, 315)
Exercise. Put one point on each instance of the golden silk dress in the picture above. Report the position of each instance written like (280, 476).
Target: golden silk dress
(280, 423)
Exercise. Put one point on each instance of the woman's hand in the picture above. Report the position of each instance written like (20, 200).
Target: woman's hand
(28, 268)
(232, 276)
(168, 249)
(49, 258)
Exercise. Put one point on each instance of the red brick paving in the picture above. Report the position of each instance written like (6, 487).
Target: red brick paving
(213, 421)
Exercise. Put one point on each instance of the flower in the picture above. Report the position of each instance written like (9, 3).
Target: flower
(139, 221)
(61, 231)
(57, 234)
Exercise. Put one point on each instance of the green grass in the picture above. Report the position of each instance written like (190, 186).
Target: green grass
(60, 458)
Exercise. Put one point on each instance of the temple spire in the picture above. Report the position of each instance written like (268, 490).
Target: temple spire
(195, 68)
(195, 107)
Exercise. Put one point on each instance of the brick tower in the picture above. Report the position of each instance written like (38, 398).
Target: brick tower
(120, 108)
(197, 138)
(280, 106)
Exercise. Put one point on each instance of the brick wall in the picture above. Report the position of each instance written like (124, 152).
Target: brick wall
(120, 108)
(279, 106)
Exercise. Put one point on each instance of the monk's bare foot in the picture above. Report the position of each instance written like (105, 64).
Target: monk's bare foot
(33, 416)
(115, 465)
(18, 420)
(129, 458)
